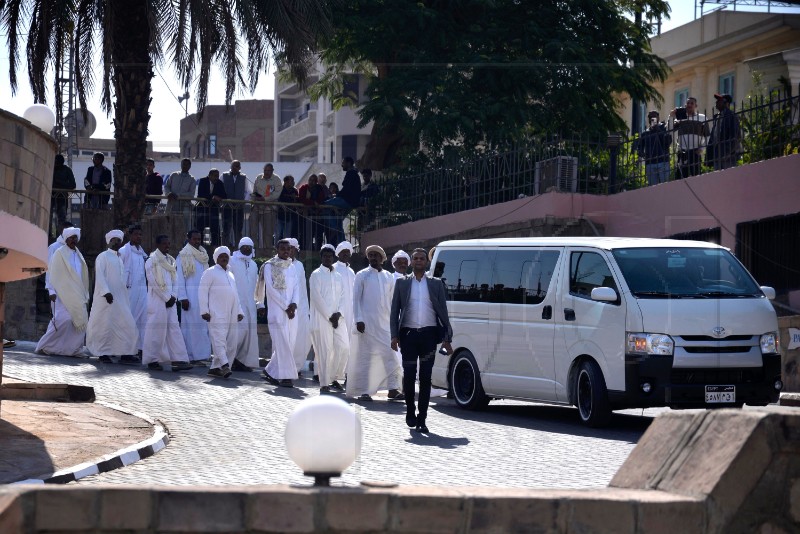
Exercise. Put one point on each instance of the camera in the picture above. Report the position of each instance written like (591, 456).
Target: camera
(680, 113)
(653, 121)
(3, 253)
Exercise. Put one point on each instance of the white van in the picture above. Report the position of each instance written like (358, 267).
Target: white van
(604, 324)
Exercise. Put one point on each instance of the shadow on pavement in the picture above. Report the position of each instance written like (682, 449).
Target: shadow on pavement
(432, 439)
(557, 419)
(24, 455)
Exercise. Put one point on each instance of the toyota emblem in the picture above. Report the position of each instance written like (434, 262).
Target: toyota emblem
(718, 331)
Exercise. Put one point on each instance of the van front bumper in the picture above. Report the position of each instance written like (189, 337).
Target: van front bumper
(685, 387)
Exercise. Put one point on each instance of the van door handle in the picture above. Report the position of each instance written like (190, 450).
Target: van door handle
(569, 314)
(547, 312)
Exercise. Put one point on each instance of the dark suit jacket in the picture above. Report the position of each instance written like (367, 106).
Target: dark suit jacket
(402, 294)
(105, 182)
(205, 191)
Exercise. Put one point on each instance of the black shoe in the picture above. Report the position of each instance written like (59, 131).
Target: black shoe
(226, 371)
(334, 385)
(239, 366)
(130, 360)
(266, 376)
(324, 390)
(106, 359)
(299, 375)
(216, 373)
(397, 395)
(364, 397)
(315, 378)
(286, 383)
(182, 366)
(155, 366)
(411, 419)
(421, 428)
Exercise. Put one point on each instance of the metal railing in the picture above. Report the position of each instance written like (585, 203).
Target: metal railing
(224, 222)
(769, 128)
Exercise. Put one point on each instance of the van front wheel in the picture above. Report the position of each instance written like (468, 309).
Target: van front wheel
(591, 395)
(465, 383)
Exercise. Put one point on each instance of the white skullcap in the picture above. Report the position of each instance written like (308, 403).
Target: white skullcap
(401, 254)
(292, 241)
(342, 246)
(221, 250)
(114, 233)
(328, 246)
(378, 249)
(69, 232)
(246, 241)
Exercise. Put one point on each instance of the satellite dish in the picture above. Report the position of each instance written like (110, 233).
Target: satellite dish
(82, 128)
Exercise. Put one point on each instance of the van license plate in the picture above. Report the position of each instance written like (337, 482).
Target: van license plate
(720, 394)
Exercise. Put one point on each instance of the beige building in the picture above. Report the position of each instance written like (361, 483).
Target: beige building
(718, 53)
(243, 131)
(311, 130)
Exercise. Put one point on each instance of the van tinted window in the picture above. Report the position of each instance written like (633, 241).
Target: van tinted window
(522, 276)
(587, 271)
(467, 274)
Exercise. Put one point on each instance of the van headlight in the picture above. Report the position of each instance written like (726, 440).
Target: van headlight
(650, 344)
(769, 343)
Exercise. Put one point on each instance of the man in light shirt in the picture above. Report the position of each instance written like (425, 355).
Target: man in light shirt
(180, 188)
(266, 188)
(419, 322)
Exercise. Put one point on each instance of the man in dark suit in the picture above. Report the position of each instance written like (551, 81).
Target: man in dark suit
(98, 178)
(418, 323)
(235, 189)
(212, 192)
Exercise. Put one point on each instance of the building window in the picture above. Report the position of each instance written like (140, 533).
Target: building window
(681, 96)
(350, 146)
(642, 126)
(726, 84)
(212, 145)
(350, 87)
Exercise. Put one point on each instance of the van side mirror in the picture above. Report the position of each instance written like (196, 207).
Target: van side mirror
(769, 292)
(604, 294)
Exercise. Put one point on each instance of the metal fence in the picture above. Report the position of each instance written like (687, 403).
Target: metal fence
(769, 127)
(224, 222)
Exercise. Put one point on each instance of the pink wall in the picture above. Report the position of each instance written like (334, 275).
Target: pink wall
(718, 199)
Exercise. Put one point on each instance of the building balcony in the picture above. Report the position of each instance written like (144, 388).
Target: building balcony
(297, 133)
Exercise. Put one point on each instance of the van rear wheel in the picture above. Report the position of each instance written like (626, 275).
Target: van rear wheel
(591, 395)
(465, 383)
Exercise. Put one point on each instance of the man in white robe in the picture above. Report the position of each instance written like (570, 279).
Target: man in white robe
(302, 344)
(163, 342)
(69, 295)
(245, 271)
(192, 263)
(329, 333)
(344, 251)
(400, 262)
(112, 329)
(278, 280)
(373, 364)
(55, 245)
(133, 257)
(219, 307)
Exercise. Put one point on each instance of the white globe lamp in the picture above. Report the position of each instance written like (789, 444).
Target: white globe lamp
(323, 437)
(40, 116)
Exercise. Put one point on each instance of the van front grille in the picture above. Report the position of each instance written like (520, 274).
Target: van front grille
(717, 376)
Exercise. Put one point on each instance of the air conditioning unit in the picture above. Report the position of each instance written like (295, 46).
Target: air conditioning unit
(556, 174)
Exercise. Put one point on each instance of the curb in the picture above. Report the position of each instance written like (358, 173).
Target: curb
(114, 460)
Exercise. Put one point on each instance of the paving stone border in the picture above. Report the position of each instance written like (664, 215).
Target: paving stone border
(111, 461)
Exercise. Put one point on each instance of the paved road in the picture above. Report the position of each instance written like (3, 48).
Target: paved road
(231, 432)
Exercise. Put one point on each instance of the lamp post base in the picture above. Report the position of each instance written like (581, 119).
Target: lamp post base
(322, 479)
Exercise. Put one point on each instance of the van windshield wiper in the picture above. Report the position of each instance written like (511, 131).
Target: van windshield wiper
(727, 294)
(663, 294)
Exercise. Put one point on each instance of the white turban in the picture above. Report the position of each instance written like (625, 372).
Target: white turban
(246, 241)
(401, 254)
(342, 246)
(292, 241)
(69, 232)
(221, 250)
(378, 249)
(114, 233)
(328, 246)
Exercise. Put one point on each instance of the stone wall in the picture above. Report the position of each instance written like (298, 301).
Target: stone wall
(716, 471)
(790, 370)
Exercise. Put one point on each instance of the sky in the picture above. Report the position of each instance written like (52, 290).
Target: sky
(166, 112)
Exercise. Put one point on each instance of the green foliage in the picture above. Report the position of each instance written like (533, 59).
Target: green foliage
(480, 73)
(767, 127)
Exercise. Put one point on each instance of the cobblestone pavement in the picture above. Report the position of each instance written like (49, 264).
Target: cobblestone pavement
(231, 432)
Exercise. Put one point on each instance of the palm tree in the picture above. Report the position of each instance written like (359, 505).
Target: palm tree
(134, 36)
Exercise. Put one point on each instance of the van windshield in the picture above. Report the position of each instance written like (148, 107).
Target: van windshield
(685, 273)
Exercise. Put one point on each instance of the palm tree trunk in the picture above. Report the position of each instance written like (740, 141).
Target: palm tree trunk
(132, 75)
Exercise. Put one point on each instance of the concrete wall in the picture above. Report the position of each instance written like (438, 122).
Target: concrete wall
(717, 471)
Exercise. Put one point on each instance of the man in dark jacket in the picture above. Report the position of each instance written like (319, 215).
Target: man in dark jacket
(153, 185)
(62, 179)
(653, 148)
(721, 152)
(212, 192)
(348, 198)
(98, 178)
